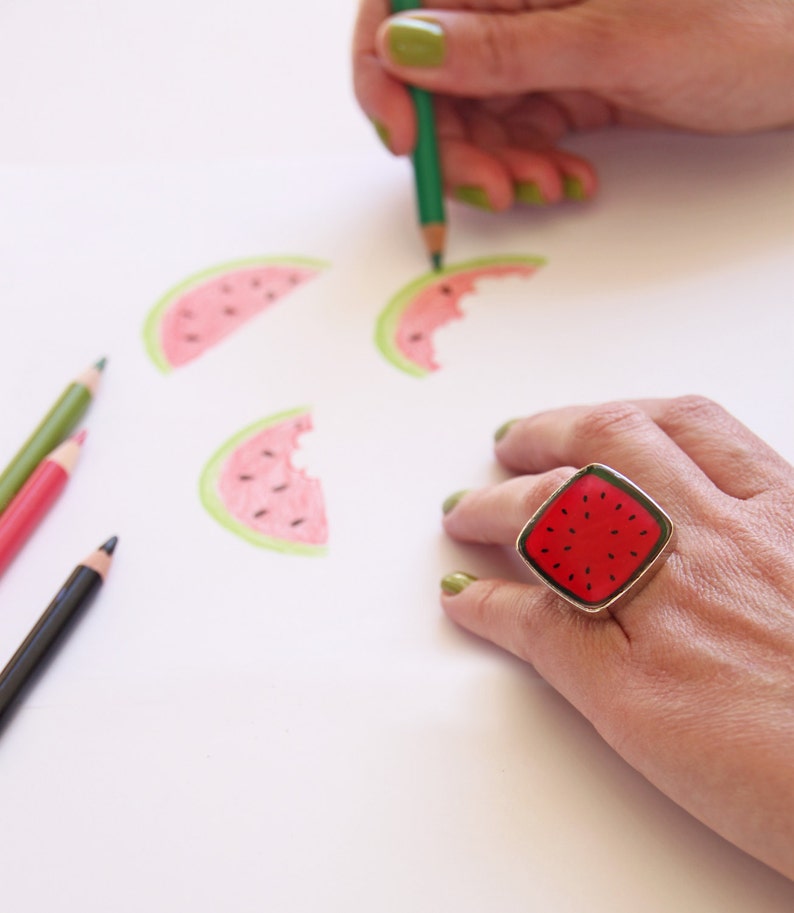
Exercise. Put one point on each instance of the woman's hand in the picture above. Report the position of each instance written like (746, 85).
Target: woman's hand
(511, 77)
(692, 679)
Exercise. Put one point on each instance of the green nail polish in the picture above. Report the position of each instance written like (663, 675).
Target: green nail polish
(382, 131)
(502, 430)
(452, 500)
(414, 42)
(573, 188)
(455, 583)
(528, 192)
(474, 196)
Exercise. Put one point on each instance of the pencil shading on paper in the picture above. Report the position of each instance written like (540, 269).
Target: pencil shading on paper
(252, 486)
(207, 307)
(406, 326)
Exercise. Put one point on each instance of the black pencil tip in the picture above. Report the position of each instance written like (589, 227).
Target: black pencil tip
(110, 546)
(100, 365)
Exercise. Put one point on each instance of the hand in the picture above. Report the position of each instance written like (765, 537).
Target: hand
(514, 76)
(692, 679)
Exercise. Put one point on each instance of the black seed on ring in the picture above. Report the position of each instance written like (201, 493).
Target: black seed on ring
(572, 531)
(644, 532)
(633, 517)
(611, 576)
(587, 515)
(587, 570)
(567, 548)
(611, 555)
(555, 566)
(603, 495)
(633, 554)
(618, 506)
(570, 576)
(549, 529)
(614, 532)
(589, 586)
(544, 551)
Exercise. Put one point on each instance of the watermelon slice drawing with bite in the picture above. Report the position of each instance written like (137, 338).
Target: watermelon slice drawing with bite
(252, 487)
(198, 313)
(406, 326)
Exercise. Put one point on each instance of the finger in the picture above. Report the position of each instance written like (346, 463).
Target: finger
(553, 172)
(497, 514)
(579, 656)
(474, 176)
(384, 99)
(620, 434)
(736, 460)
(483, 54)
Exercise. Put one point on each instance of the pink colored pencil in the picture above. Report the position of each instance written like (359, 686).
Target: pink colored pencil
(33, 501)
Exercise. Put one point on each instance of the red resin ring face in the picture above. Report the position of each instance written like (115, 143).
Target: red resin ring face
(595, 538)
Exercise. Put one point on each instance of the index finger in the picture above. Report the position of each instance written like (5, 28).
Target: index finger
(620, 434)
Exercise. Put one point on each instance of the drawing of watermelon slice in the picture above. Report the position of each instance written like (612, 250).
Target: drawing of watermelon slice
(251, 487)
(198, 313)
(595, 537)
(405, 328)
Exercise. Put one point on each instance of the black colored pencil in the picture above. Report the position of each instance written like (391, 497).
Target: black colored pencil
(73, 596)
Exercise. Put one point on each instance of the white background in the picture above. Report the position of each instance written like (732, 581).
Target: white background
(237, 730)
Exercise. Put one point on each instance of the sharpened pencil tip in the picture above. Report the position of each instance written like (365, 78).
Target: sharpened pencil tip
(438, 264)
(110, 546)
(80, 437)
(100, 365)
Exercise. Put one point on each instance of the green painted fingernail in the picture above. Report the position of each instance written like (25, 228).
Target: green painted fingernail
(474, 196)
(382, 131)
(452, 500)
(502, 430)
(414, 42)
(528, 192)
(573, 188)
(456, 583)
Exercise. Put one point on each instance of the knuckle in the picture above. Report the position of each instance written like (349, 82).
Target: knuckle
(692, 411)
(500, 50)
(599, 426)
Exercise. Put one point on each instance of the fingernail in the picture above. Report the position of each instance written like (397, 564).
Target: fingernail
(456, 583)
(474, 196)
(573, 188)
(528, 192)
(502, 430)
(452, 500)
(414, 42)
(382, 131)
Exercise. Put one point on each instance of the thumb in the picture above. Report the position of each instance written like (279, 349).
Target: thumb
(485, 54)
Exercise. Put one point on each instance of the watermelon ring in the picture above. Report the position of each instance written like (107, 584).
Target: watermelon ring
(596, 539)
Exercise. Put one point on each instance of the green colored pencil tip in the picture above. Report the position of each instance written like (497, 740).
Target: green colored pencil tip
(437, 263)
(100, 365)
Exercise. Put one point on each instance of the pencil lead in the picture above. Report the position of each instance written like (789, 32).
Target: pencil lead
(80, 436)
(110, 546)
(100, 365)
(437, 263)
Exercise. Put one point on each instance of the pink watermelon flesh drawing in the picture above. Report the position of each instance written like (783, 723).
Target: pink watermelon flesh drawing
(202, 316)
(438, 304)
(262, 490)
(594, 538)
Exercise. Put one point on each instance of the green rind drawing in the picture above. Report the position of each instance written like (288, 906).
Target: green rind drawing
(389, 318)
(151, 326)
(216, 508)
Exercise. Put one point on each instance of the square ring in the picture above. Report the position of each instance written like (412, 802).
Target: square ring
(596, 539)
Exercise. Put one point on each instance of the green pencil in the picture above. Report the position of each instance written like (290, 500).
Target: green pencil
(53, 428)
(427, 170)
